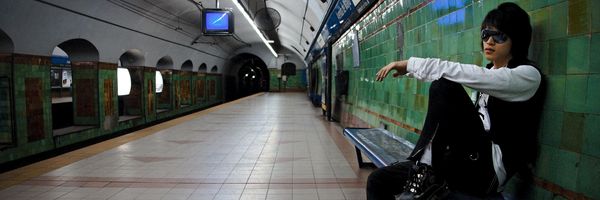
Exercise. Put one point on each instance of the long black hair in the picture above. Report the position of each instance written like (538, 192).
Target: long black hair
(512, 20)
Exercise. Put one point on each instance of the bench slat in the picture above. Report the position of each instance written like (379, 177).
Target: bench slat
(379, 145)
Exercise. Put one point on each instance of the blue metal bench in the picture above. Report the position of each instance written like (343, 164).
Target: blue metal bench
(379, 145)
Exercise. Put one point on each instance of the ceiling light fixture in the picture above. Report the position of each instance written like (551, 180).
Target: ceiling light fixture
(262, 37)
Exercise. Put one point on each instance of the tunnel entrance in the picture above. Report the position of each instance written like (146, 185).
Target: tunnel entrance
(248, 75)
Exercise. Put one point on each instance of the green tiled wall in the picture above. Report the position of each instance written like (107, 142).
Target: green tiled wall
(202, 99)
(150, 94)
(185, 80)
(25, 147)
(218, 96)
(293, 82)
(21, 73)
(88, 74)
(209, 79)
(168, 86)
(108, 121)
(176, 77)
(195, 99)
(6, 125)
(564, 36)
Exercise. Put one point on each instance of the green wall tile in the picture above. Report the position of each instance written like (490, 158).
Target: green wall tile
(478, 12)
(594, 59)
(592, 103)
(555, 92)
(545, 166)
(552, 128)
(576, 92)
(587, 179)
(551, 2)
(539, 54)
(558, 57)
(454, 44)
(469, 20)
(558, 18)
(536, 4)
(469, 39)
(591, 138)
(572, 131)
(540, 23)
(477, 43)
(595, 23)
(489, 5)
(579, 17)
(525, 4)
(567, 169)
(578, 49)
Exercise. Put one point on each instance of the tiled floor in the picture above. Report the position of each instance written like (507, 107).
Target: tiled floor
(268, 146)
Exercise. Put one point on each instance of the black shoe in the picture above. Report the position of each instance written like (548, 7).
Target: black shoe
(422, 184)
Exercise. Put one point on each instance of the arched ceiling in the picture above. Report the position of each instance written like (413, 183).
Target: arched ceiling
(297, 18)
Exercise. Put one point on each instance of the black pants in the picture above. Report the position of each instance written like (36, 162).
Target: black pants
(388, 181)
(455, 121)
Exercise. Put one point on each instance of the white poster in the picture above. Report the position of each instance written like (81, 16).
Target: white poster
(67, 79)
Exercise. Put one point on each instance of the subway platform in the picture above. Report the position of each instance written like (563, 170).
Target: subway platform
(265, 146)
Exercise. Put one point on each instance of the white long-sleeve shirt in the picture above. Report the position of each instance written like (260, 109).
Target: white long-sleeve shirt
(516, 84)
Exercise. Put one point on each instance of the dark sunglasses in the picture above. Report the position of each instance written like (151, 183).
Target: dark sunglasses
(498, 36)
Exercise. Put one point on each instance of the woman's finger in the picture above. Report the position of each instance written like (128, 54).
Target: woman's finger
(381, 74)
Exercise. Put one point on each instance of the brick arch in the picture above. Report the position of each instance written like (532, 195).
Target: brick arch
(132, 57)
(202, 68)
(187, 66)
(80, 50)
(166, 62)
(76, 63)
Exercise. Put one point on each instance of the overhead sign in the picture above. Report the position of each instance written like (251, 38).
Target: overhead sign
(341, 16)
(343, 9)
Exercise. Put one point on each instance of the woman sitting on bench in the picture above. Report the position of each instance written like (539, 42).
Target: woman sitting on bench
(472, 149)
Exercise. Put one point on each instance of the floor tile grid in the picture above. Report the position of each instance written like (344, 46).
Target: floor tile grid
(17, 176)
(286, 145)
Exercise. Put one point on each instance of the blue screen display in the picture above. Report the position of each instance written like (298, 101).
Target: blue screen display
(217, 21)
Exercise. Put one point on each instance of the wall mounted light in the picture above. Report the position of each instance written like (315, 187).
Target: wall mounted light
(159, 82)
(123, 81)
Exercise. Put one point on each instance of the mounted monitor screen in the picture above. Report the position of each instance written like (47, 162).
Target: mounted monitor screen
(217, 22)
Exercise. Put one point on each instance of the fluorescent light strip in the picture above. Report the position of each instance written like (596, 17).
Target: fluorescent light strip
(262, 37)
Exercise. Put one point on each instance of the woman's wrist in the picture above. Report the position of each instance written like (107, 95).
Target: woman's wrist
(401, 66)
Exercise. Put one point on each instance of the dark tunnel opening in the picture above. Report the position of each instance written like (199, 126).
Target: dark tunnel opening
(251, 77)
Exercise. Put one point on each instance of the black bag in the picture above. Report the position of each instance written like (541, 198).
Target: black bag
(423, 184)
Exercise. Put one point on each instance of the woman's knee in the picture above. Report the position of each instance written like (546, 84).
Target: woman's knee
(374, 179)
(390, 175)
(447, 94)
(445, 87)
